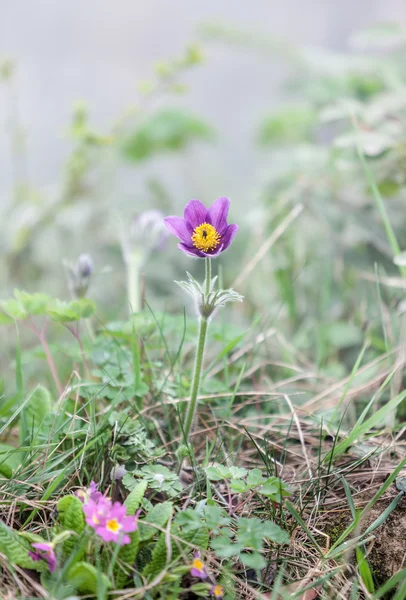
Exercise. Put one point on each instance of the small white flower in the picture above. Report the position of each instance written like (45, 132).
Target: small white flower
(159, 478)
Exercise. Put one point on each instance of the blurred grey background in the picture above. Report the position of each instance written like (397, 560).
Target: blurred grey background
(98, 51)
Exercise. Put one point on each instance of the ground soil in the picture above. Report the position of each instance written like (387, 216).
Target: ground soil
(387, 551)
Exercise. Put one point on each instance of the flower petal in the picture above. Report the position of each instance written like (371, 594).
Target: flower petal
(226, 240)
(228, 236)
(195, 214)
(217, 214)
(191, 251)
(177, 226)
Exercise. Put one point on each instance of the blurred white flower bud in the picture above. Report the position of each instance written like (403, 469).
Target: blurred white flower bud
(118, 472)
(147, 233)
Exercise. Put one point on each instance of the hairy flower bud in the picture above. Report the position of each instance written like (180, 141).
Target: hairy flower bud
(79, 275)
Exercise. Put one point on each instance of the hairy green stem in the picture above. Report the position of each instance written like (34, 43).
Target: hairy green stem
(207, 264)
(203, 326)
(133, 284)
(192, 406)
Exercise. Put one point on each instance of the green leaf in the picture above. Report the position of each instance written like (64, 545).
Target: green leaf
(274, 533)
(215, 517)
(253, 561)
(189, 519)
(71, 516)
(167, 130)
(225, 548)
(126, 557)
(33, 304)
(66, 312)
(221, 472)
(197, 539)
(84, 578)
(133, 500)
(255, 478)
(35, 411)
(158, 515)
(238, 486)
(11, 311)
(10, 459)
(16, 549)
(158, 477)
(364, 569)
(274, 489)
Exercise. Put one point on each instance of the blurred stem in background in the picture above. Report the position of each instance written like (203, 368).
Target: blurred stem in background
(145, 235)
(134, 292)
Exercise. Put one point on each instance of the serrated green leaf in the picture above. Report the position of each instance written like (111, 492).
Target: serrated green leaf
(158, 515)
(126, 557)
(12, 311)
(133, 500)
(213, 474)
(253, 561)
(274, 533)
(16, 549)
(255, 478)
(238, 486)
(33, 304)
(71, 516)
(66, 312)
(221, 472)
(225, 548)
(197, 538)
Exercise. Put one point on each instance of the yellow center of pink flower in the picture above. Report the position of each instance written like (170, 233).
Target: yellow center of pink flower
(198, 564)
(113, 525)
(218, 591)
(205, 237)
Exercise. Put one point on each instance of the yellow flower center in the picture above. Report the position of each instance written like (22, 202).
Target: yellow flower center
(206, 237)
(95, 520)
(113, 525)
(197, 564)
(217, 591)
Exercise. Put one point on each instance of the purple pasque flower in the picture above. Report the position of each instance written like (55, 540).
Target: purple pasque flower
(203, 232)
(198, 568)
(44, 551)
(90, 493)
(110, 521)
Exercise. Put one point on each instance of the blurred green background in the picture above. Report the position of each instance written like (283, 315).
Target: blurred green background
(108, 111)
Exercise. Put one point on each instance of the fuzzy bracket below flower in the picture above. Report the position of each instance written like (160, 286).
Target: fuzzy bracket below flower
(206, 297)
